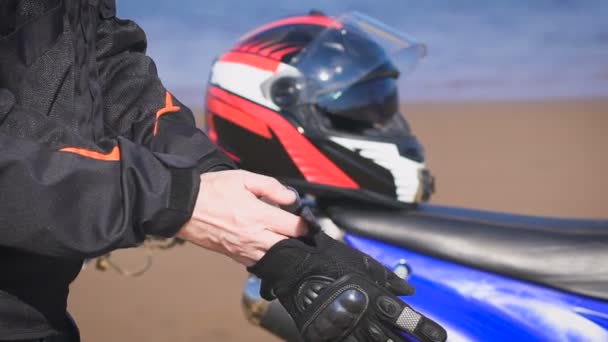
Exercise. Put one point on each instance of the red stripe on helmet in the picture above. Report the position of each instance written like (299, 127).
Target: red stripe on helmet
(306, 20)
(259, 62)
(245, 47)
(225, 110)
(230, 155)
(278, 55)
(315, 166)
(266, 51)
(211, 125)
(255, 48)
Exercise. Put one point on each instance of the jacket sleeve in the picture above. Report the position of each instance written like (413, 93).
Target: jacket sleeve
(137, 105)
(66, 197)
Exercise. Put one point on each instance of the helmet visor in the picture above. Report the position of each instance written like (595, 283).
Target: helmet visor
(367, 103)
(356, 49)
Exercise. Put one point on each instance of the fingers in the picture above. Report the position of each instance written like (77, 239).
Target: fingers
(429, 330)
(399, 286)
(269, 239)
(406, 319)
(269, 188)
(377, 333)
(277, 220)
(266, 240)
(424, 330)
(282, 222)
(396, 285)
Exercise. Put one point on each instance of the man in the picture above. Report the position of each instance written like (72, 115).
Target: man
(97, 154)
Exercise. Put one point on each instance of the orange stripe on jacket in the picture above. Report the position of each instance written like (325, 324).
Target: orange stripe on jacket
(168, 108)
(113, 155)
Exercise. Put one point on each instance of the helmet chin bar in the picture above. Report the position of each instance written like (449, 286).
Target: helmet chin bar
(426, 187)
(412, 180)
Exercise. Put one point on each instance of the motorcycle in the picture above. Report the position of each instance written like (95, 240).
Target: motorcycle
(484, 276)
(312, 100)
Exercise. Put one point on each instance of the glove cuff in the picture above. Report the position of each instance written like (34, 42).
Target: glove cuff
(279, 265)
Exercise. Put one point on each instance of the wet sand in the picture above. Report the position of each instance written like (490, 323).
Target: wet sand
(539, 158)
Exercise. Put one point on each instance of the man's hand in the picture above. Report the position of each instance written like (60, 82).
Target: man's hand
(230, 217)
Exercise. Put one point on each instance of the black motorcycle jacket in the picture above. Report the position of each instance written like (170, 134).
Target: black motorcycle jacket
(95, 152)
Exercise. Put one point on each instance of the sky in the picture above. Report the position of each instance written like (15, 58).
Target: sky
(477, 50)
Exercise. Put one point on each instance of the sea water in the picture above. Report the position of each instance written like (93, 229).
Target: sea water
(477, 49)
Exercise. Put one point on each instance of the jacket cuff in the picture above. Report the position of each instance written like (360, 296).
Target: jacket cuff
(185, 185)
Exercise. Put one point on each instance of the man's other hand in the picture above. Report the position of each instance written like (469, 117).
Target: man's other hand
(231, 218)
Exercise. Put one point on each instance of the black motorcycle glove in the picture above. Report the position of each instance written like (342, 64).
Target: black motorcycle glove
(337, 293)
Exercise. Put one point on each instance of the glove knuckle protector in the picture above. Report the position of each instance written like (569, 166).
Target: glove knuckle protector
(334, 317)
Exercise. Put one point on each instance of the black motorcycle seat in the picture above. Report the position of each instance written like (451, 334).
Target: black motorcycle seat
(567, 254)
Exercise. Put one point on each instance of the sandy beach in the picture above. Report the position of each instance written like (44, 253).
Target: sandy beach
(538, 158)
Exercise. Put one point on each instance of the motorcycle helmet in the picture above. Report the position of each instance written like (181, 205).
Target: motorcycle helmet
(313, 101)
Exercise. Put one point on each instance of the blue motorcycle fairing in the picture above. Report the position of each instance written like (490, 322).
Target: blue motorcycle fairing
(475, 305)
